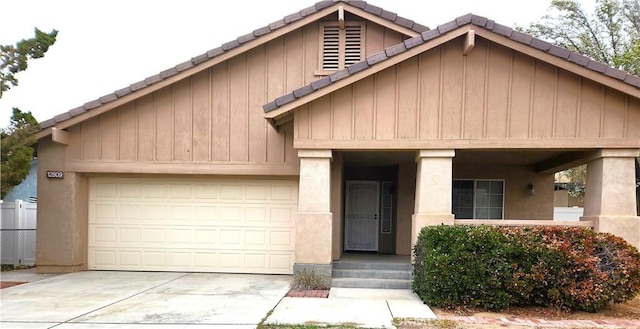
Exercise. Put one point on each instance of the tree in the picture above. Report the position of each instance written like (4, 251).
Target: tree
(610, 35)
(18, 139)
(13, 59)
(17, 150)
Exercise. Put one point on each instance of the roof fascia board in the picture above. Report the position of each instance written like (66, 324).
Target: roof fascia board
(281, 111)
(380, 21)
(559, 62)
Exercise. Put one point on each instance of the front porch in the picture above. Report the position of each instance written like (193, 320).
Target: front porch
(371, 270)
(451, 187)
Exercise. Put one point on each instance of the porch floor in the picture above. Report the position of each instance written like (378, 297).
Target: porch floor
(354, 257)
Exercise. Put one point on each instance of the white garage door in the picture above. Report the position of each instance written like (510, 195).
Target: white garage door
(150, 224)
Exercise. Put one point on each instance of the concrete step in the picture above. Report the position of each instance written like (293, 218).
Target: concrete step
(372, 274)
(345, 265)
(370, 283)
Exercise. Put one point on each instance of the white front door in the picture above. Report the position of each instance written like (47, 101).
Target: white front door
(361, 216)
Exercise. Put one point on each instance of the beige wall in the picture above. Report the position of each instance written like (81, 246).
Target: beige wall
(406, 197)
(62, 214)
(213, 117)
(337, 205)
(561, 198)
(518, 204)
(493, 93)
(610, 199)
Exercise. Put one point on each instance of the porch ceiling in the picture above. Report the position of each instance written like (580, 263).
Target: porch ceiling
(541, 160)
(378, 158)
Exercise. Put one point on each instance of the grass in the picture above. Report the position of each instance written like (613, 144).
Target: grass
(7, 267)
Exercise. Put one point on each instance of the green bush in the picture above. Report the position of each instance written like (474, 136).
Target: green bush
(455, 265)
(496, 267)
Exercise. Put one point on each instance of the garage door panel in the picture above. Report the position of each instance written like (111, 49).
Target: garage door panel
(192, 225)
(231, 261)
(181, 191)
(128, 190)
(196, 237)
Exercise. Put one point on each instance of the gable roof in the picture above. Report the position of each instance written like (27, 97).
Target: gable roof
(489, 29)
(227, 50)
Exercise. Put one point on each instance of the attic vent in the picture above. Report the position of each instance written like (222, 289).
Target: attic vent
(341, 47)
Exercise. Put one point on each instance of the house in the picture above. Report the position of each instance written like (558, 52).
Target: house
(26, 190)
(342, 127)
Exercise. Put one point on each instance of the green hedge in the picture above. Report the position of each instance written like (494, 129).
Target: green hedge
(498, 267)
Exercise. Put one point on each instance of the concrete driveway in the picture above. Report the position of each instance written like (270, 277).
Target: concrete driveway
(102, 299)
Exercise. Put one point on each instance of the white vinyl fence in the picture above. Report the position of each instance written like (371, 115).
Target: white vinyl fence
(18, 233)
(567, 213)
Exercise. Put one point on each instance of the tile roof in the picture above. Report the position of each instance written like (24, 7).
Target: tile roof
(387, 15)
(476, 20)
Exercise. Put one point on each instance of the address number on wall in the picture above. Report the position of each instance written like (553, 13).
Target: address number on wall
(55, 174)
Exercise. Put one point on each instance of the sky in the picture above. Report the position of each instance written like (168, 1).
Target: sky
(105, 45)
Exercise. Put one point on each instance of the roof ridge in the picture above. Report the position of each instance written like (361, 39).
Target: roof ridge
(443, 29)
(225, 47)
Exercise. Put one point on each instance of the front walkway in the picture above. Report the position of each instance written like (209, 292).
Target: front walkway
(369, 308)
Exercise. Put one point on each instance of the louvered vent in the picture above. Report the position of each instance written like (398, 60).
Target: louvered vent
(341, 47)
(353, 45)
(331, 48)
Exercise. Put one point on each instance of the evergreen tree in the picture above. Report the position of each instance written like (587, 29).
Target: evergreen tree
(610, 35)
(13, 59)
(17, 149)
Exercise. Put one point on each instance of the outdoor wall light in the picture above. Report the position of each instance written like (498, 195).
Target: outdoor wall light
(531, 190)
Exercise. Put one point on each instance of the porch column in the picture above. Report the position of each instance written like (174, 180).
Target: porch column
(433, 190)
(610, 197)
(314, 218)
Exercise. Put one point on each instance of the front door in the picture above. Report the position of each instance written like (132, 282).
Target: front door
(361, 215)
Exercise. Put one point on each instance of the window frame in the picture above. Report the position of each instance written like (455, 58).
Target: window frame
(341, 45)
(474, 196)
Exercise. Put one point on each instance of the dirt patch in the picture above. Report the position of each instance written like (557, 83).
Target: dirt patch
(629, 311)
(7, 284)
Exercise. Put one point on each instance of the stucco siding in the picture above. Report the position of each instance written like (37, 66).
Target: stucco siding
(493, 93)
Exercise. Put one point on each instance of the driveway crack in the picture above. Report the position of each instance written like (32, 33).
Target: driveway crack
(121, 300)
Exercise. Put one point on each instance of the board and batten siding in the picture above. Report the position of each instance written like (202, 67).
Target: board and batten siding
(494, 93)
(214, 116)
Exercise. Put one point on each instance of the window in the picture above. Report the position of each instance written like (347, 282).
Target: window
(341, 47)
(479, 199)
(386, 213)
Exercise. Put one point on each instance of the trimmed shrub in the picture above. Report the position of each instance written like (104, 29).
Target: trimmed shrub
(496, 267)
(455, 265)
(577, 268)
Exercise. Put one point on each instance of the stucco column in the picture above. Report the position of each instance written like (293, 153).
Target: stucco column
(610, 198)
(61, 245)
(314, 218)
(433, 190)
